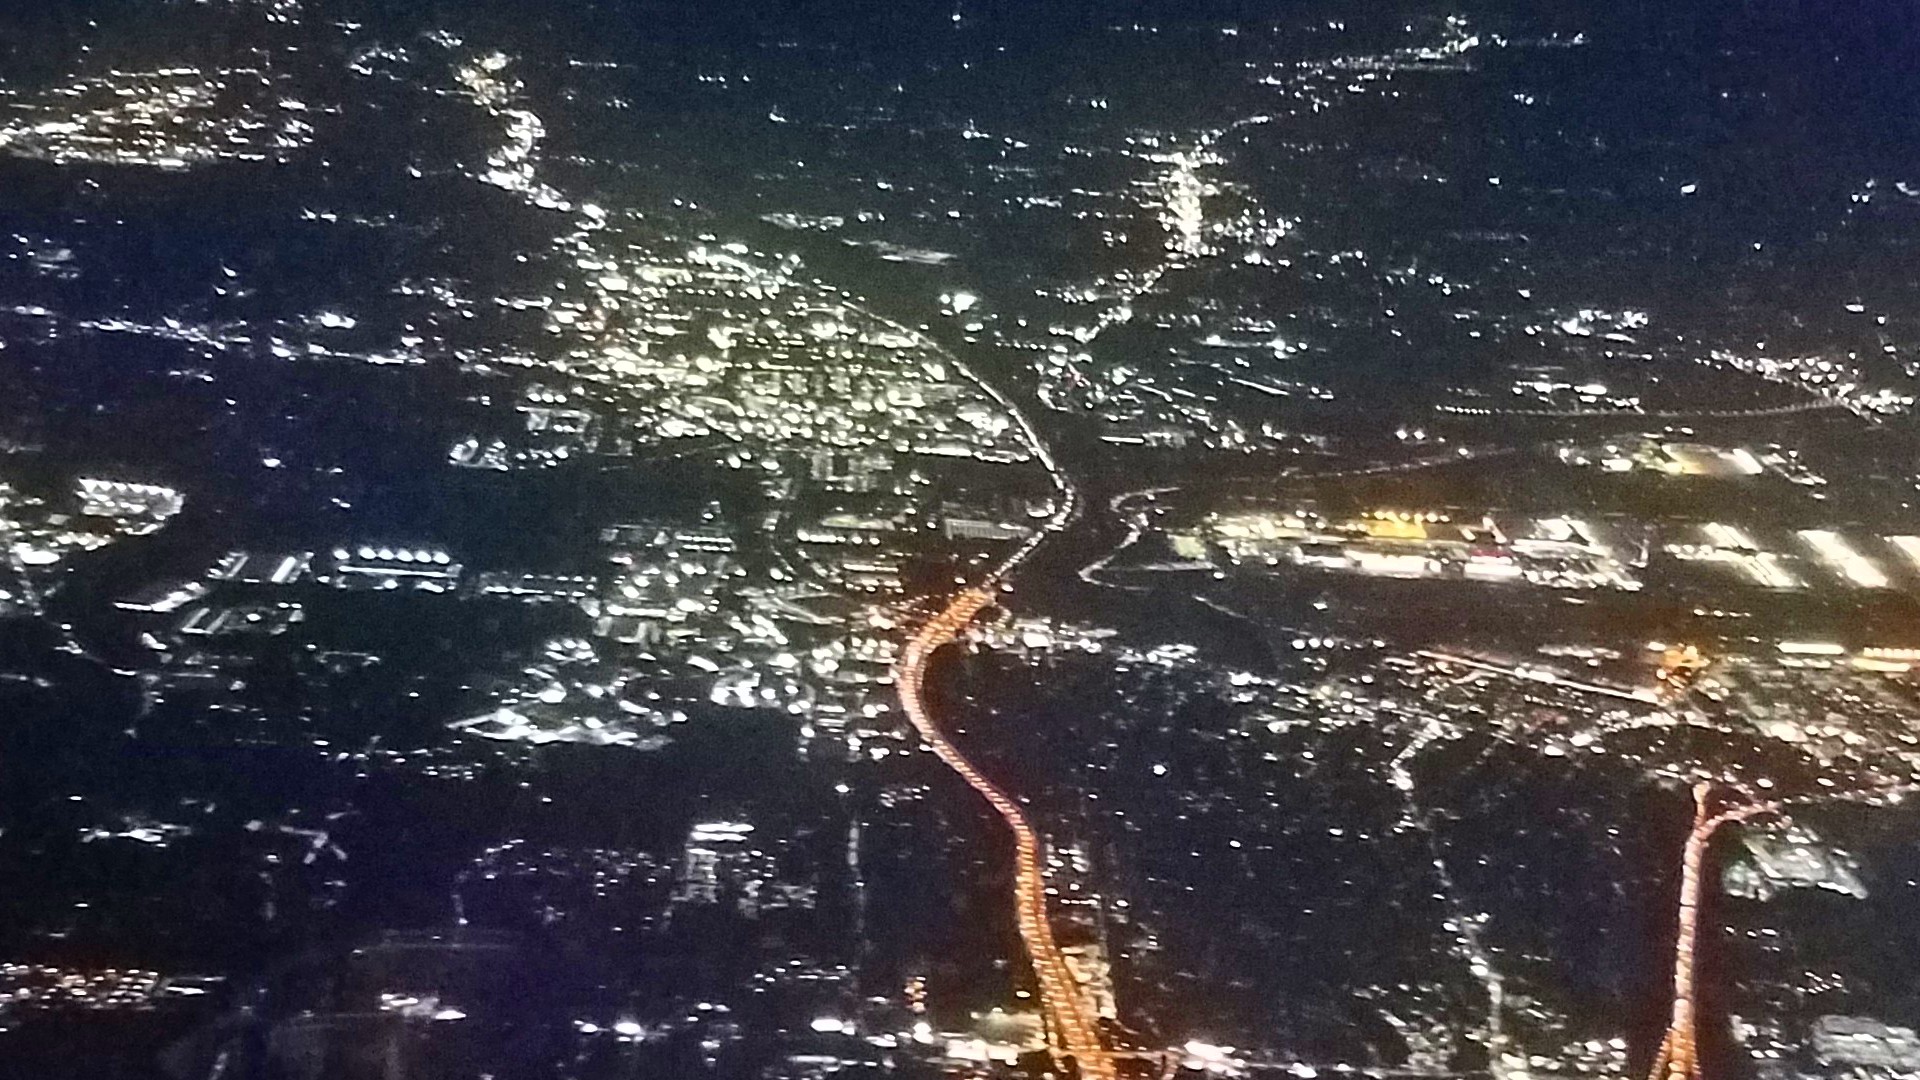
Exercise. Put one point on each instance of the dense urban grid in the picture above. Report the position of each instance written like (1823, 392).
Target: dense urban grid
(609, 538)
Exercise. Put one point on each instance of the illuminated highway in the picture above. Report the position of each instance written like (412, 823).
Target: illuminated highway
(1072, 1028)
(1679, 1058)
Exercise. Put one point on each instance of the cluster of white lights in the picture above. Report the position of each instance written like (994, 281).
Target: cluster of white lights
(1837, 553)
(387, 554)
(720, 831)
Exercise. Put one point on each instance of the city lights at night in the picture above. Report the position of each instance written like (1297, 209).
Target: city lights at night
(978, 540)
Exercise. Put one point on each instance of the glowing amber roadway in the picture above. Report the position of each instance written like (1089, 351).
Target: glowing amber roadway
(1679, 1057)
(1072, 1029)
